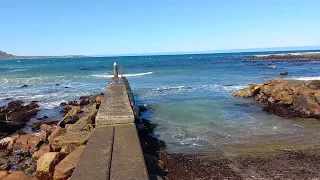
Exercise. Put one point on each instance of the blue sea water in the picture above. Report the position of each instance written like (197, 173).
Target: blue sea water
(191, 94)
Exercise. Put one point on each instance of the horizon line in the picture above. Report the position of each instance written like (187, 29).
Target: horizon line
(267, 49)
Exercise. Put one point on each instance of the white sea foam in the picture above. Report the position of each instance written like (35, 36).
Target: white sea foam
(50, 105)
(224, 88)
(212, 87)
(125, 75)
(305, 78)
(171, 88)
(18, 70)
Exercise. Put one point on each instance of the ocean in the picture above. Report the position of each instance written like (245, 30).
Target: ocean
(190, 94)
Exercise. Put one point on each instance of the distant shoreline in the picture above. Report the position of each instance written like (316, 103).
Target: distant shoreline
(6, 56)
(313, 55)
(39, 57)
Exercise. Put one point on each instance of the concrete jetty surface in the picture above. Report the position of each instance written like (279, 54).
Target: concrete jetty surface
(113, 151)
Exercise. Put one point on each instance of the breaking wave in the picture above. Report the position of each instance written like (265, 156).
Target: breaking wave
(125, 75)
(212, 87)
(305, 78)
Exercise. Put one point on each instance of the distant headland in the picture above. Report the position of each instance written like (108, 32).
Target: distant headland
(4, 55)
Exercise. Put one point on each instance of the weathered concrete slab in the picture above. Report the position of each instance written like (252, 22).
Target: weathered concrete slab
(96, 159)
(116, 107)
(127, 157)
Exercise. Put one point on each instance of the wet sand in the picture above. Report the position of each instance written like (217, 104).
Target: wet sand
(295, 157)
(281, 165)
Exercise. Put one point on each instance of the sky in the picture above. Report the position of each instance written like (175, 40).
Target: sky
(65, 27)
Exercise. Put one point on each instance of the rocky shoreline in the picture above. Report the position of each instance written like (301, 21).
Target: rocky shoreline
(288, 99)
(53, 149)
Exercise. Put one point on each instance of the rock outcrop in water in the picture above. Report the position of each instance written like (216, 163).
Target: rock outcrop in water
(290, 57)
(15, 115)
(287, 99)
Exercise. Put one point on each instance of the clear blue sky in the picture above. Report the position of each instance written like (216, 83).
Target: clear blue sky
(60, 27)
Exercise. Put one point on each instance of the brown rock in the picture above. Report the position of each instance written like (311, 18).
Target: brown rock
(22, 142)
(33, 141)
(266, 90)
(283, 96)
(308, 105)
(295, 85)
(11, 143)
(258, 87)
(57, 131)
(3, 174)
(72, 112)
(43, 149)
(83, 124)
(279, 91)
(313, 84)
(65, 168)
(16, 175)
(244, 93)
(46, 164)
(46, 127)
(68, 148)
(275, 81)
(75, 139)
(99, 99)
(29, 141)
(284, 73)
(287, 99)
(4, 142)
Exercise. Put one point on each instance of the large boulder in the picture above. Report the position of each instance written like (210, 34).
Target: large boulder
(3, 174)
(308, 105)
(279, 90)
(28, 142)
(46, 164)
(70, 114)
(85, 100)
(251, 91)
(313, 84)
(19, 112)
(11, 126)
(16, 175)
(15, 115)
(83, 124)
(57, 131)
(75, 139)
(43, 149)
(287, 99)
(296, 86)
(68, 148)
(275, 81)
(65, 168)
(46, 127)
(244, 93)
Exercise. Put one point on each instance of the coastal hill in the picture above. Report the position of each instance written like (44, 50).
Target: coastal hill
(4, 55)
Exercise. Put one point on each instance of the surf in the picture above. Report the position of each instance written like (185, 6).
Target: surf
(125, 75)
